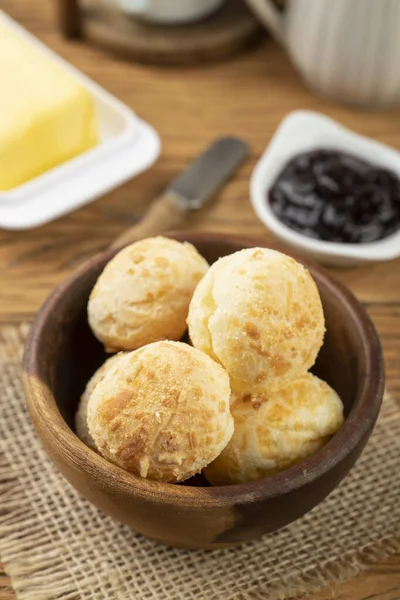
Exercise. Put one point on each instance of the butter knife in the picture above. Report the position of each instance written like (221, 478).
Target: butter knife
(190, 190)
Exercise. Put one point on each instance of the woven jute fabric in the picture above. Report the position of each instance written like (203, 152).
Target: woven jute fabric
(55, 545)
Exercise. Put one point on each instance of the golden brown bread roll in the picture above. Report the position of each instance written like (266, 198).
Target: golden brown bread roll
(162, 412)
(275, 430)
(258, 313)
(81, 427)
(143, 294)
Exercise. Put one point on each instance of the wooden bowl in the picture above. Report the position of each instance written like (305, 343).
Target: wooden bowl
(61, 354)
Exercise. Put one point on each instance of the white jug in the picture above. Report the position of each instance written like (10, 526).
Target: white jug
(348, 50)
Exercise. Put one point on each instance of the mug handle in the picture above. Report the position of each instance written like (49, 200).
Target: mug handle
(270, 16)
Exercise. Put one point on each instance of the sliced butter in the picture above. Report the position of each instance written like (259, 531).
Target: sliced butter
(46, 116)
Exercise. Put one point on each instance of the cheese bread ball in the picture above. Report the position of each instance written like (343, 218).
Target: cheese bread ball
(258, 313)
(275, 430)
(81, 426)
(144, 292)
(162, 412)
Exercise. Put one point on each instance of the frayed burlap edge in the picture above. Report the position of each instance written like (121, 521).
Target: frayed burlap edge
(12, 340)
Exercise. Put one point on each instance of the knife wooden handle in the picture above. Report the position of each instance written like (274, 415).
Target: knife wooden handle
(164, 213)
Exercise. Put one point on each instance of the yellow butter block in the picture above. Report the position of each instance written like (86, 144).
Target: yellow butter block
(46, 116)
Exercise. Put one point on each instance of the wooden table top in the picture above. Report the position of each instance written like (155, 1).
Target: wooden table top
(246, 96)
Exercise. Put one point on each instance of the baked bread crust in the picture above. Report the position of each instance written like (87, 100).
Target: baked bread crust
(258, 313)
(81, 426)
(143, 293)
(275, 430)
(162, 412)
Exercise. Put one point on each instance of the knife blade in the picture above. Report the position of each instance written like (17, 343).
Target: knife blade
(190, 190)
(207, 173)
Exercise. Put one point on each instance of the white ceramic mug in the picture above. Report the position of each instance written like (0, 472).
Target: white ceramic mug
(172, 12)
(348, 50)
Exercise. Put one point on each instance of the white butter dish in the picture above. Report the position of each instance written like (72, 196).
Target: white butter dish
(127, 147)
(302, 131)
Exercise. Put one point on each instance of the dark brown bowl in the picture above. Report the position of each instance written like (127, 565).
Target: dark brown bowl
(61, 354)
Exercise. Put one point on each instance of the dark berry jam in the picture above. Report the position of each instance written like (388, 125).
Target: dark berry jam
(337, 197)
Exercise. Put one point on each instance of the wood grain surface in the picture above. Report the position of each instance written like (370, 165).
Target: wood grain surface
(246, 96)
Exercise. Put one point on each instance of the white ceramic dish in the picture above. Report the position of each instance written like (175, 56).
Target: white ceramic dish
(305, 130)
(127, 147)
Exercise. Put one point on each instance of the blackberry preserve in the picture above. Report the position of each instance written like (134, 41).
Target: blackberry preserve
(337, 197)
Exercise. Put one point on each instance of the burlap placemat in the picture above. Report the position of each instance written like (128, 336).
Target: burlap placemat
(55, 545)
